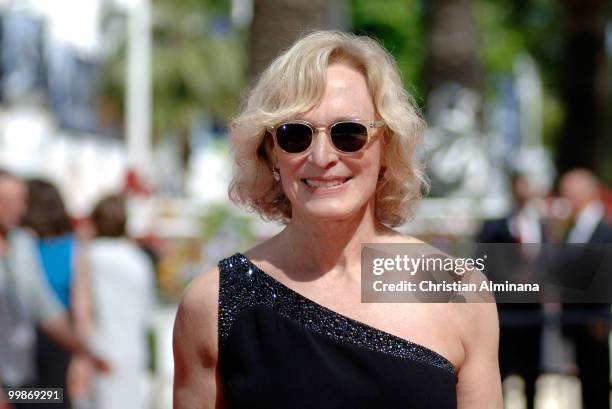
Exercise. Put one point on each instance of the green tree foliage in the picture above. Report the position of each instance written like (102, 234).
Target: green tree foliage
(198, 64)
(509, 28)
(399, 26)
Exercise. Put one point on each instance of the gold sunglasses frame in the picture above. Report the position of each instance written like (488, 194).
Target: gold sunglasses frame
(369, 125)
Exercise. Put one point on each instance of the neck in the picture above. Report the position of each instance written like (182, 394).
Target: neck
(314, 247)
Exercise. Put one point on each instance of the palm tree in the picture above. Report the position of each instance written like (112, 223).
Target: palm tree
(278, 23)
(452, 42)
(585, 91)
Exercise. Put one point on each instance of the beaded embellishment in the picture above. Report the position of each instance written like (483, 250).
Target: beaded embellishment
(242, 284)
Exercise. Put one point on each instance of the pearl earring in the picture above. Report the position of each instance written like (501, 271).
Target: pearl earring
(276, 174)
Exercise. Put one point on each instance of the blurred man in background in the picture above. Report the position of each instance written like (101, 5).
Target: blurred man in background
(581, 188)
(520, 324)
(26, 299)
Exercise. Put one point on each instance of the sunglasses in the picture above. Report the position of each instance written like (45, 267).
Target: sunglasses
(345, 136)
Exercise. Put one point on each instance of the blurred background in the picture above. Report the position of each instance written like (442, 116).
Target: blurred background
(134, 97)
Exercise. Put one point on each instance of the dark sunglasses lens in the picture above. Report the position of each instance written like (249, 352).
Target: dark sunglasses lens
(294, 138)
(349, 136)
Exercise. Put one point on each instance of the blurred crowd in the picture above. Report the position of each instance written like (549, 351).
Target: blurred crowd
(576, 214)
(75, 299)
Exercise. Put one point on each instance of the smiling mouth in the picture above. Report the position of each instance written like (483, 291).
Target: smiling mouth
(325, 183)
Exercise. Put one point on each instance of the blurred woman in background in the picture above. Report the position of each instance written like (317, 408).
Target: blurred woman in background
(114, 295)
(47, 217)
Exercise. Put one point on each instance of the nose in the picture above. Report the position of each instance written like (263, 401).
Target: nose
(323, 153)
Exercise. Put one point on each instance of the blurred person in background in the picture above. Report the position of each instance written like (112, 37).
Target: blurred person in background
(325, 144)
(47, 217)
(26, 299)
(520, 323)
(113, 300)
(524, 224)
(581, 188)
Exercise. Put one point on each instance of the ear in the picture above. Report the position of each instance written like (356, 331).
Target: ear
(267, 151)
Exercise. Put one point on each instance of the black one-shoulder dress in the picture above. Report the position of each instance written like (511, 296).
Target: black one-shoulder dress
(279, 349)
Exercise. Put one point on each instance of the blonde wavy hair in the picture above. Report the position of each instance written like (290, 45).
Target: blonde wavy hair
(294, 84)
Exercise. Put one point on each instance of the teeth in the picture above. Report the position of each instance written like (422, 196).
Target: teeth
(320, 183)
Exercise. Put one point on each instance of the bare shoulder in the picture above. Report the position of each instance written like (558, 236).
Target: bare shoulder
(476, 312)
(202, 294)
(196, 320)
(195, 345)
(479, 383)
(479, 320)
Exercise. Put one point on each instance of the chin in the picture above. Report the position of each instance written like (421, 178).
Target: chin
(329, 213)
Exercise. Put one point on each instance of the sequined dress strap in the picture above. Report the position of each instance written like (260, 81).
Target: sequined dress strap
(243, 285)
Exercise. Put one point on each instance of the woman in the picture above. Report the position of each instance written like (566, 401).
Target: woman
(113, 302)
(325, 144)
(47, 216)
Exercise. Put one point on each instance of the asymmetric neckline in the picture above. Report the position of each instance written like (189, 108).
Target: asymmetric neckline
(436, 358)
